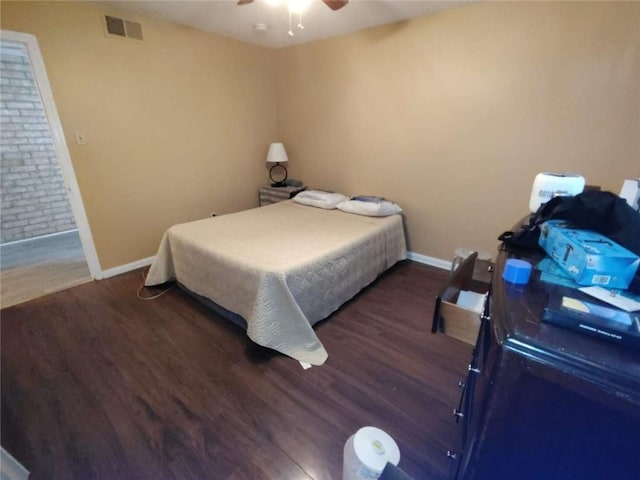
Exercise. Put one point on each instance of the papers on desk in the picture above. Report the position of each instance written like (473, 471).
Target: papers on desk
(606, 323)
(616, 298)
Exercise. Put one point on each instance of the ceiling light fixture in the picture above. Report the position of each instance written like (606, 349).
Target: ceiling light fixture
(300, 25)
(294, 6)
(298, 5)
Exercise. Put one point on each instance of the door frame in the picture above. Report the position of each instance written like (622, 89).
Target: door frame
(60, 146)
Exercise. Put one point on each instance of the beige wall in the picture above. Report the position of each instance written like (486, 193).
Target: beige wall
(177, 126)
(452, 115)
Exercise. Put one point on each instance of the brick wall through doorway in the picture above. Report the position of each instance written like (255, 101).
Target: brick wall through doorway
(33, 198)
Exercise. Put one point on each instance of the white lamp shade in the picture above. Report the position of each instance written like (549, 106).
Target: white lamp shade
(277, 154)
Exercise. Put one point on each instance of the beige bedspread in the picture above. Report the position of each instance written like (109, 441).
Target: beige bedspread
(282, 267)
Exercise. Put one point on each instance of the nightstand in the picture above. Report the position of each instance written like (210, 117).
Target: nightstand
(268, 195)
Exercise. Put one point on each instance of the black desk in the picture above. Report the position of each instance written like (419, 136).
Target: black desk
(542, 402)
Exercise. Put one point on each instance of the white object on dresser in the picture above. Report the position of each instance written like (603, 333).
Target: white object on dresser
(631, 192)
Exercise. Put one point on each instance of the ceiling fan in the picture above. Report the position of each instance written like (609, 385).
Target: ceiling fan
(332, 4)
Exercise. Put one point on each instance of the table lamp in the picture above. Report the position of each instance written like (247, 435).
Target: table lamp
(277, 155)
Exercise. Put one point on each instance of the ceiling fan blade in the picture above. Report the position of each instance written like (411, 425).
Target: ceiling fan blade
(335, 4)
(244, 2)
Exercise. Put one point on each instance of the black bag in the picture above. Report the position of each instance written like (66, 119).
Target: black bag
(602, 212)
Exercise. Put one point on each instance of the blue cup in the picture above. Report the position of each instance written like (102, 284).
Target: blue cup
(517, 271)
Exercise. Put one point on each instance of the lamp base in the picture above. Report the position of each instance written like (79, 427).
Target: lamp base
(283, 174)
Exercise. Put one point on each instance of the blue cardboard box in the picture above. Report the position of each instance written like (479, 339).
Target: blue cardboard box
(588, 257)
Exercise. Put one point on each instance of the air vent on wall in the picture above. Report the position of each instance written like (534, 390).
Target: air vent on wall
(123, 28)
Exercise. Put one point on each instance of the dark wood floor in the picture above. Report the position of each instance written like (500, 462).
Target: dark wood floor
(98, 384)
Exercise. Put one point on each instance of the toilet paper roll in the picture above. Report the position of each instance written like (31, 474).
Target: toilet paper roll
(548, 185)
(367, 452)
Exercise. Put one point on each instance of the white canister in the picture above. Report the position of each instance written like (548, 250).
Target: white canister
(548, 185)
(367, 452)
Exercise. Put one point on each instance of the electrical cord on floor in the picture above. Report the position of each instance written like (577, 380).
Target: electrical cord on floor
(153, 297)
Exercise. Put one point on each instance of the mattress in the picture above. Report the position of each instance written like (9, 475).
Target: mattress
(282, 267)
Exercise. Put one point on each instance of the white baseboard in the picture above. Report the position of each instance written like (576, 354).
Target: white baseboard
(426, 260)
(111, 272)
(10, 468)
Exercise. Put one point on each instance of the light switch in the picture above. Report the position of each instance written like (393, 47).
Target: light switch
(81, 138)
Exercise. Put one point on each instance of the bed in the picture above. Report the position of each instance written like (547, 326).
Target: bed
(281, 268)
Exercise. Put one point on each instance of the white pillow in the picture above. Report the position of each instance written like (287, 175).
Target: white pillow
(318, 198)
(372, 209)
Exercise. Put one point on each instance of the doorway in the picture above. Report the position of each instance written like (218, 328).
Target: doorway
(45, 243)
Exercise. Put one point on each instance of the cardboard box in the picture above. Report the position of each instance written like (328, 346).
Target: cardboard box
(588, 257)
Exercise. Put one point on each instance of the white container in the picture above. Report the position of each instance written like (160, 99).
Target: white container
(631, 193)
(367, 452)
(548, 185)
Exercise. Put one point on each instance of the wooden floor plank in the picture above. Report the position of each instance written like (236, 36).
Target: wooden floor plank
(98, 384)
